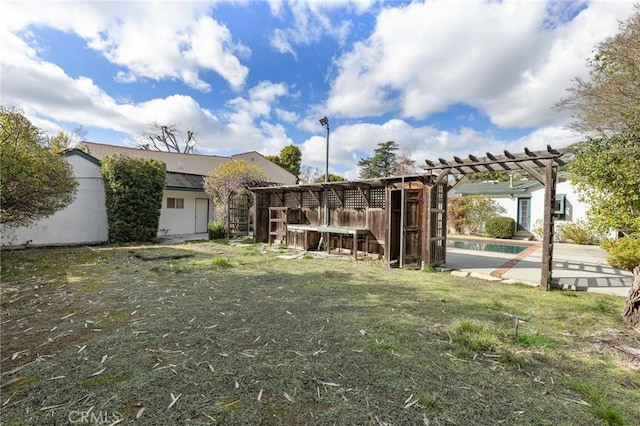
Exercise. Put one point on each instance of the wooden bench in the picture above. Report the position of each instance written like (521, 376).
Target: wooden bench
(339, 230)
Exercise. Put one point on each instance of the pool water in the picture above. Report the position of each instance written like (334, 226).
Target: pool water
(472, 245)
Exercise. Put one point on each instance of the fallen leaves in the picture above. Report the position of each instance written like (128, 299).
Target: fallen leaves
(14, 380)
(174, 399)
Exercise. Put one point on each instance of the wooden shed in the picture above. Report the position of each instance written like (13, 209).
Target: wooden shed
(402, 218)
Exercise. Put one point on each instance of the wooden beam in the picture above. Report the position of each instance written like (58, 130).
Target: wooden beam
(533, 172)
(313, 194)
(508, 161)
(509, 155)
(443, 175)
(337, 196)
(547, 237)
(365, 196)
(456, 181)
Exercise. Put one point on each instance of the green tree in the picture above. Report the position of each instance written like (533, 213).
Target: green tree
(233, 177)
(468, 214)
(35, 182)
(607, 174)
(608, 106)
(290, 158)
(59, 143)
(382, 163)
(133, 190)
(63, 140)
(332, 178)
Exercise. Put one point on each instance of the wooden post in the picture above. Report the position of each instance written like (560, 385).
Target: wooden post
(355, 246)
(427, 196)
(547, 238)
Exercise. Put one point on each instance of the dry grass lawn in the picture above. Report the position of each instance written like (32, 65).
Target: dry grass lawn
(212, 333)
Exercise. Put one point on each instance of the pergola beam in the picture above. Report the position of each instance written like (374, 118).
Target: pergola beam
(529, 161)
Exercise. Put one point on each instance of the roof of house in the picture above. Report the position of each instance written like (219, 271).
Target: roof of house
(184, 181)
(173, 180)
(493, 188)
(498, 188)
(195, 164)
(78, 152)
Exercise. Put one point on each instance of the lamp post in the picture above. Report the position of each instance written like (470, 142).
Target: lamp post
(325, 123)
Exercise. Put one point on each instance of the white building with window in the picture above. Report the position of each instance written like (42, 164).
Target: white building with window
(524, 201)
(186, 208)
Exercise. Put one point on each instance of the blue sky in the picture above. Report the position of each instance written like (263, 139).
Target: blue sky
(441, 77)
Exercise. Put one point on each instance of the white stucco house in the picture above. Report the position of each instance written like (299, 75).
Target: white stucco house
(523, 201)
(186, 208)
(84, 221)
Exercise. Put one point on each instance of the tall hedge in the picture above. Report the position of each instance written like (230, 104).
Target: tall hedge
(133, 189)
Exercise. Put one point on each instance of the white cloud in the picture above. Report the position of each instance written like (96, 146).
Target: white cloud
(287, 116)
(280, 43)
(312, 21)
(154, 41)
(507, 59)
(48, 95)
(349, 143)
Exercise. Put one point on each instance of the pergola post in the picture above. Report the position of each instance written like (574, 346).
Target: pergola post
(529, 161)
(547, 238)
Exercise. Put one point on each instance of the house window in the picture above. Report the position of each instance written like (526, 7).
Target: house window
(175, 203)
(559, 206)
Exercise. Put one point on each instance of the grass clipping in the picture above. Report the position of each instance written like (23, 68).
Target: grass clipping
(212, 332)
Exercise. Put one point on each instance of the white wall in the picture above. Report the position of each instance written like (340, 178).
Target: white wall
(180, 221)
(84, 221)
(509, 204)
(575, 210)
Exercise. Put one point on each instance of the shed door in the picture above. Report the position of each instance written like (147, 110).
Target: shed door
(202, 215)
(413, 204)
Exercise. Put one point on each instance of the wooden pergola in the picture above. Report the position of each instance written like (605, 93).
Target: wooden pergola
(530, 161)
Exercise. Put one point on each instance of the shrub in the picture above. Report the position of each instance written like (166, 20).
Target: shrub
(538, 230)
(220, 262)
(133, 189)
(35, 181)
(624, 254)
(579, 232)
(500, 227)
(468, 213)
(216, 230)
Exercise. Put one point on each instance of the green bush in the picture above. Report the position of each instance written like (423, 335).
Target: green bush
(579, 232)
(624, 254)
(500, 227)
(216, 230)
(133, 189)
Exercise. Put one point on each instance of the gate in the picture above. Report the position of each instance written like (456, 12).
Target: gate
(239, 215)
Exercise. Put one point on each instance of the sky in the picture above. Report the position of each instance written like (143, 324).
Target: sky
(440, 77)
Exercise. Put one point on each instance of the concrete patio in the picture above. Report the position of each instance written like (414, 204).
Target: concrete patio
(576, 267)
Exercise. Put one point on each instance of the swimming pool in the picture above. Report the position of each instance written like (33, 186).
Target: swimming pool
(481, 246)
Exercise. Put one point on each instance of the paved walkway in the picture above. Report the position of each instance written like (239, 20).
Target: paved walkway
(576, 267)
(182, 238)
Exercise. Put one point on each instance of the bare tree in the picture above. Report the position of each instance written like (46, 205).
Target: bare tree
(161, 137)
(404, 165)
(309, 174)
(608, 100)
